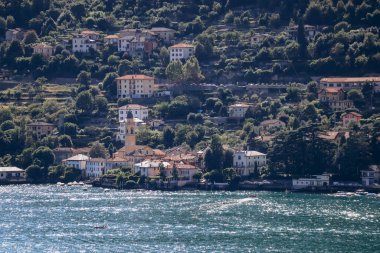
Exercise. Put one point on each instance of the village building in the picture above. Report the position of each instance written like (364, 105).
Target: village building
(116, 162)
(44, 49)
(112, 39)
(138, 111)
(137, 42)
(95, 167)
(135, 153)
(150, 168)
(334, 136)
(245, 162)
(14, 34)
(314, 181)
(238, 110)
(348, 83)
(120, 136)
(62, 153)
(84, 41)
(258, 38)
(135, 86)
(181, 51)
(335, 98)
(158, 124)
(78, 162)
(12, 175)
(271, 125)
(40, 129)
(371, 175)
(310, 31)
(166, 34)
(350, 118)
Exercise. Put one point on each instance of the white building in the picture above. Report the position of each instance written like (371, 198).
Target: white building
(12, 175)
(371, 175)
(135, 86)
(310, 31)
(315, 181)
(43, 49)
(150, 168)
(138, 111)
(116, 162)
(84, 41)
(238, 110)
(95, 167)
(181, 51)
(348, 83)
(245, 162)
(77, 161)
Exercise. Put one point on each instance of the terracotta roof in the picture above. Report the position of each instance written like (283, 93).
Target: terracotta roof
(113, 36)
(42, 45)
(182, 45)
(352, 113)
(118, 159)
(159, 152)
(137, 77)
(132, 106)
(87, 32)
(350, 79)
(331, 90)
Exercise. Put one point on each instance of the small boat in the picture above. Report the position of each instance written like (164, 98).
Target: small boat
(370, 194)
(252, 196)
(106, 190)
(60, 184)
(361, 192)
(100, 227)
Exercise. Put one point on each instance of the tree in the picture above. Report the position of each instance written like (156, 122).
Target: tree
(78, 10)
(30, 37)
(164, 56)
(214, 155)
(301, 39)
(175, 173)
(197, 176)
(101, 104)
(85, 102)
(48, 26)
(313, 14)
(98, 150)
(109, 84)
(168, 137)
(192, 71)
(65, 141)
(11, 22)
(14, 50)
(70, 129)
(6, 125)
(84, 78)
(44, 156)
(3, 25)
(174, 71)
(34, 173)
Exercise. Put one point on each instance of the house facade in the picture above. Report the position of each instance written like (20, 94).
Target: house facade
(181, 51)
(245, 162)
(43, 49)
(371, 175)
(95, 167)
(77, 161)
(14, 34)
(12, 175)
(40, 129)
(350, 118)
(310, 31)
(335, 98)
(348, 83)
(315, 181)
(135, 86)
(166, 34)
(84, 41)
(138, 111)
(238, 110)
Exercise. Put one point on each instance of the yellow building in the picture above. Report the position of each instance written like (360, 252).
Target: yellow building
(135, 86)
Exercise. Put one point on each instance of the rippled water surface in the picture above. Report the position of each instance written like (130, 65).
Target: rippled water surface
(63, 219)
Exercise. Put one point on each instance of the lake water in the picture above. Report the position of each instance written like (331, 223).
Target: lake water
(63, 219)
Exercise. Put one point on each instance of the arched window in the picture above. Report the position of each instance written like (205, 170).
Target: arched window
(132, 130)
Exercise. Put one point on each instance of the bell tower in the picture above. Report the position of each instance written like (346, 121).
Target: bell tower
(130, 131)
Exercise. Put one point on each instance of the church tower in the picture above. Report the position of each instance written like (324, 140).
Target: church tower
(130, 131)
